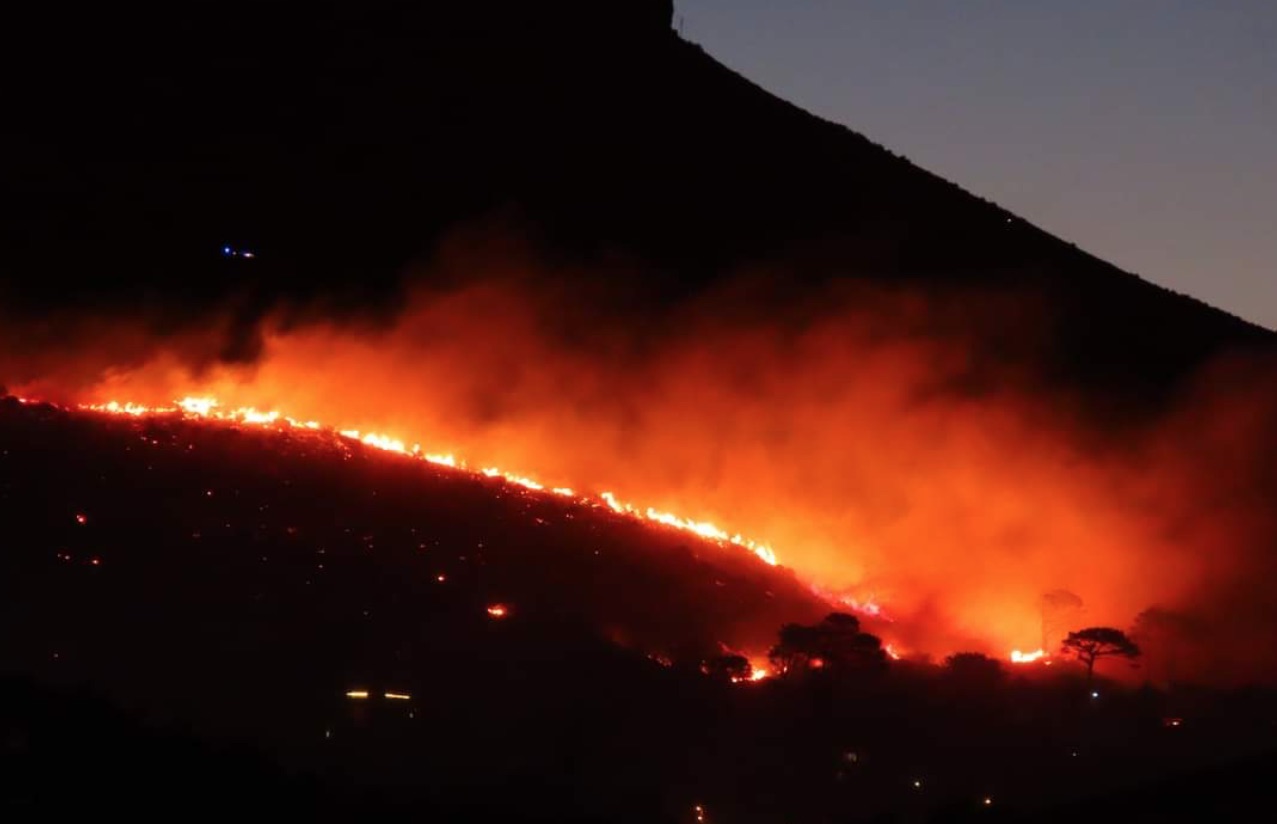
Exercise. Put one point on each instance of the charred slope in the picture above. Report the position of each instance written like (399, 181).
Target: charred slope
(341, 142)
(184, 607)
(239, 583)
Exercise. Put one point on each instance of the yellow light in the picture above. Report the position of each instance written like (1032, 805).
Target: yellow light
(398, 696)
(357, 694)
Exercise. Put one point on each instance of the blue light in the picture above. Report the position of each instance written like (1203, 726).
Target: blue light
(226, 250)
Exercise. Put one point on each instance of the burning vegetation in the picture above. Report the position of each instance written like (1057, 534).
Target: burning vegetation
(895, 465)
(298, 572)
(872, 442)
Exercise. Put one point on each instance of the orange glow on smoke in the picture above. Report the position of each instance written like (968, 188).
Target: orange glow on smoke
(870, 441)
(210, 409)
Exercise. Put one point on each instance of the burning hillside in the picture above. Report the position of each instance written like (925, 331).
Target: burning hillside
(192, 445)
(373, 617)
(870, 442)
(914, 398)
(506, 404)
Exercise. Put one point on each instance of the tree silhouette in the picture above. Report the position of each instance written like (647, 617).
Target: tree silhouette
(728, 667)
(1091, 644)
(797, 648)
(836, 643)
(974, 668)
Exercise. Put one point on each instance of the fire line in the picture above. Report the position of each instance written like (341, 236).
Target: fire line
(210, 409)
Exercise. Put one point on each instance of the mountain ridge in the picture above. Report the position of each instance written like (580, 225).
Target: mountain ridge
(613, 137)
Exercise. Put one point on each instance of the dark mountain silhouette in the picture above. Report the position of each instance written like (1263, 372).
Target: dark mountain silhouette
(342, 141)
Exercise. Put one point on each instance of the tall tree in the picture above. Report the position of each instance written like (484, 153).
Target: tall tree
(1091, 644)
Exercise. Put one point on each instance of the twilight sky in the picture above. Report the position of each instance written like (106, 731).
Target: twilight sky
(1144, 131)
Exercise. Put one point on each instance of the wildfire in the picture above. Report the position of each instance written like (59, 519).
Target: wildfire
(863, 606)
(756, 673)
(210, 409)
(1018, 657)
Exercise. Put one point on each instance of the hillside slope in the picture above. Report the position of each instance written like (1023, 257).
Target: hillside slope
(193, 609)
(239, 583)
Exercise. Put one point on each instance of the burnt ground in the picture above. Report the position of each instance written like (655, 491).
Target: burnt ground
(189, 646)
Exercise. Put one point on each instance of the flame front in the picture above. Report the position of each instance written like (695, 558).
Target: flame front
(210, 409)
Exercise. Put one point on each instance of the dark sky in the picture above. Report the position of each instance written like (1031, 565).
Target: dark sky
(1144, 131)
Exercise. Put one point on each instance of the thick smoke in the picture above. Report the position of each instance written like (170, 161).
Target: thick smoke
(879, 440)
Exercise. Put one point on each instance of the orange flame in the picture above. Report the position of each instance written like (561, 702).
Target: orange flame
(210, 409)
(1018, 657)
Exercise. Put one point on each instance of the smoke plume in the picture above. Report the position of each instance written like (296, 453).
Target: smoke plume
(888, 444)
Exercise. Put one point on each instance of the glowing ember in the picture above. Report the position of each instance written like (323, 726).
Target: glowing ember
(81, 518)
(498, 611)
(1018, 657)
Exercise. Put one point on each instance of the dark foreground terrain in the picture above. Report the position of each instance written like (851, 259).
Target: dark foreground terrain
(186, 605)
